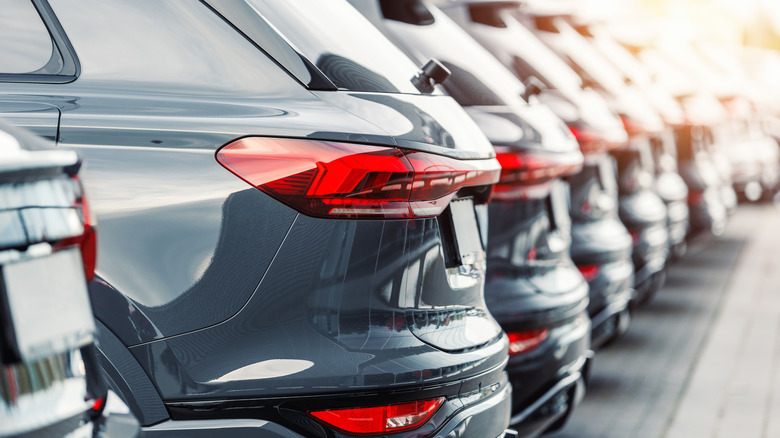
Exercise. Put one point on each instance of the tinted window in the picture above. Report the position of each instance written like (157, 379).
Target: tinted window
(342, 43)
(478, 78)
(25, 44)
(537, 58)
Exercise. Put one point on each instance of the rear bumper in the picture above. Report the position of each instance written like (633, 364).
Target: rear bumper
(650, 253)
(613, 320)
(709, 217)
(677, 222)
(556, 403)
(486, 418)
(653, 276)
(542, 379)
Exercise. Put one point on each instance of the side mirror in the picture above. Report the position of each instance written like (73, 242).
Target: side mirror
(533, 87)
(433, 72)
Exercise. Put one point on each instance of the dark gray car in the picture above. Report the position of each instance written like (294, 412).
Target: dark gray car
(291, 232)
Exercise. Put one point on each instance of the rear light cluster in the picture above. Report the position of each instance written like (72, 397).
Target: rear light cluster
(589, 271)
(591, 141)
(390, 418)
(631, 126)
(345, 180)
(695, 197)
(523, 342)
(520, 169)
(87, 242)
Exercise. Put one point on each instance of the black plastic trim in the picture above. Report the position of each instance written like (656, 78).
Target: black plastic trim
(71, 68)
(126, 378)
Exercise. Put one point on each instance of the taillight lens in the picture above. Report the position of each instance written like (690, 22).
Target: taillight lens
(380, 419)
(523, 342)
(520, 169)
(87, 241)
(631, 126)
(695, 197)
(346, 180)
(589, 271)
(98, 404)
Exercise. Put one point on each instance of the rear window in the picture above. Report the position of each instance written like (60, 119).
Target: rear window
(345, 46)
(477, 78)
(535, 58)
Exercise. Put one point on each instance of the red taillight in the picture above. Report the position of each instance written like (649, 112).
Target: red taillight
(631, 126)
(87, 241)
(380, 419)
(345, 180)
(695, 197)
(592, 142)
(98, 405)
(521, 169)
(589, 271)
(522, 342)
(635, 235)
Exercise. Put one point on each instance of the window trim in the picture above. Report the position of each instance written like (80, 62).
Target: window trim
(62, 46)
(307, 74)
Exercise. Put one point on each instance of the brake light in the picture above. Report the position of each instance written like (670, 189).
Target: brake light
(631, 126)
(520, 169)
(97, 406)
(87, 241)
(695, 197)
(346, 180)
(523, 342)
(589, 271)
(380, 419)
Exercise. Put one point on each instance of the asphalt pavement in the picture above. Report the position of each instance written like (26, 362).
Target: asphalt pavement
(702, 359)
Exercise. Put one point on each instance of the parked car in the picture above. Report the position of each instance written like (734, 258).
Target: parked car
(601, 245)
(710, 193)
(50, 383)
(641, 210)
(738, 139)
(533, 288)
(290, 229)
(667, 184)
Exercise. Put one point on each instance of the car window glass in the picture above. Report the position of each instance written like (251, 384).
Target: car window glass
(173, 47)
(587, 61)
(478, 78)
(538, 57)
(341, 43)
(25, 43)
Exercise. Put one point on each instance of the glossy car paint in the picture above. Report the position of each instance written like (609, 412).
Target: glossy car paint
(639, 210)
(598, 236)
(708, 212)
(668, 184)
(644, 214)
(710, 196)
(702, 112)
(214, 297)
(545, 291)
